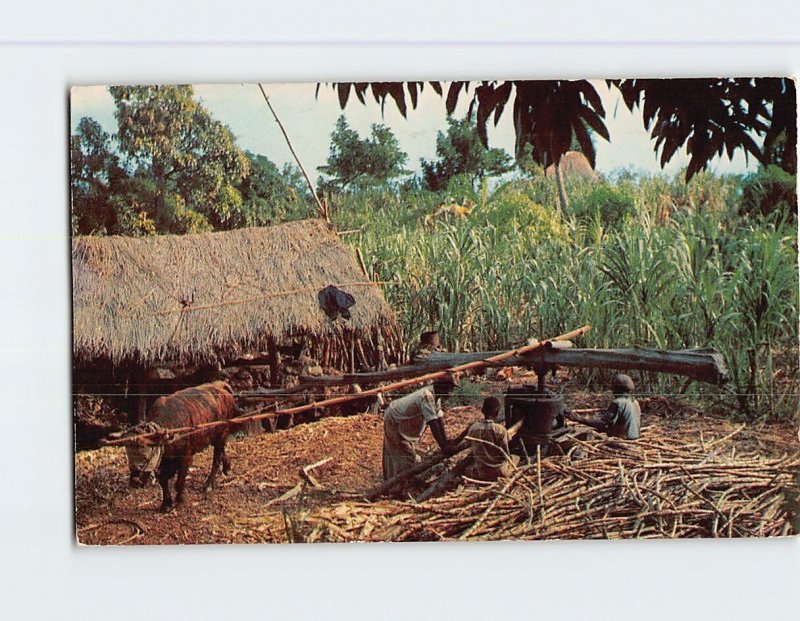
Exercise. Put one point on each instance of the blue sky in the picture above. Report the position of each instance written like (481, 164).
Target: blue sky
(309, 121)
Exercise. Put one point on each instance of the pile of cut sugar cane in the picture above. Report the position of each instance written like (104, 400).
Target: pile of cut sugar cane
(655, 487)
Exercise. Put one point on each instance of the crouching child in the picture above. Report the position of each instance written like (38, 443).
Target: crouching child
(489, 446)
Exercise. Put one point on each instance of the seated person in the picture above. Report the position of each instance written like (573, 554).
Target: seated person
(489, 440)
(623, 417)
(428, 342)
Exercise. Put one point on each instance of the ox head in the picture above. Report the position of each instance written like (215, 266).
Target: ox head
(143, 459)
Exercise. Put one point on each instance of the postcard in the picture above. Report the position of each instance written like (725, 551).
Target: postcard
(435, 311)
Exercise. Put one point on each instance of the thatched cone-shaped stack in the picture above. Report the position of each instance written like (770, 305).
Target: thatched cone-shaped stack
(574, 165)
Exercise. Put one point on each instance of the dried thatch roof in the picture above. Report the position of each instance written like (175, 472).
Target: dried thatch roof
(574, 165)
(244, 287)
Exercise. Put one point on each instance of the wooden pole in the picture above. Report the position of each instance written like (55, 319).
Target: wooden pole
(274, 363)
(184, 431)
(323, 212)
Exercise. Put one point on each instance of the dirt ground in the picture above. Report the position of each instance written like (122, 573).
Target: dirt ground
(247, 505)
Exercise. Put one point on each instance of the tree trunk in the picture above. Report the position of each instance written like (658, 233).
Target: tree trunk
(562, 192)
(702, 365)
(164, 220)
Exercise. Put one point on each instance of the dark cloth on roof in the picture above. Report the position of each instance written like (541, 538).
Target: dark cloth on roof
(335, 302)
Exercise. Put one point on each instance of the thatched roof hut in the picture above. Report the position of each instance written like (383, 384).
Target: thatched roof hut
(196, 299)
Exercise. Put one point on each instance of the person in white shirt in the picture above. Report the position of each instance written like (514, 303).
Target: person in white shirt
(405, 421)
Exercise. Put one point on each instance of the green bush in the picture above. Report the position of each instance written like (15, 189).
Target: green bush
(514, 210)
(612, 205)
(461, 189)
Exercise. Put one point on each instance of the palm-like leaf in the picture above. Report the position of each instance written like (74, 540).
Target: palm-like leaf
(707, 116)
(547, 113)
(713, 116)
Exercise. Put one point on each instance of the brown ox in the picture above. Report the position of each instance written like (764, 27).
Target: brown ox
(202, 404)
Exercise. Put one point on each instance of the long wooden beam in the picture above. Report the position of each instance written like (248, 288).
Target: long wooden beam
(705, 365)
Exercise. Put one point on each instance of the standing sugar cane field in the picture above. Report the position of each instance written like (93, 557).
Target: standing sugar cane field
(277, 344)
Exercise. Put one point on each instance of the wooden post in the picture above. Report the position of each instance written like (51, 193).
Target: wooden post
(274, 363)
(141, 405)
(362, 356)
(141, 387)
(380, 360)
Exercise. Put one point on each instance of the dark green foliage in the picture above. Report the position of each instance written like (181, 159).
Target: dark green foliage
(715, 116)
(514, 207)
(131, 203)
(270, 195)
(780, 140)
(172, 168)
(382, 90)
(461, 189)
(363, 163)
(610, 205)
(190, 157)
(708, 116)
(95, 173)
(548, 114)
(461, 153)
(782, 153)
(770, 191)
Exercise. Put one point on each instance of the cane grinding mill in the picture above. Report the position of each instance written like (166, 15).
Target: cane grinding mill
(542, 413)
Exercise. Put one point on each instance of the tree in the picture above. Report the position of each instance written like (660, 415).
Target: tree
(186, 158)
(548, 114)
(269, 194)
(461, 152)
(708, 116)
(374, 160)
(95, 172)
(780, 141)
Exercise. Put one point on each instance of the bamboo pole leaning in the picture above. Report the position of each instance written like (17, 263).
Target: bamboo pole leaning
(154, 437)
(322, 209)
